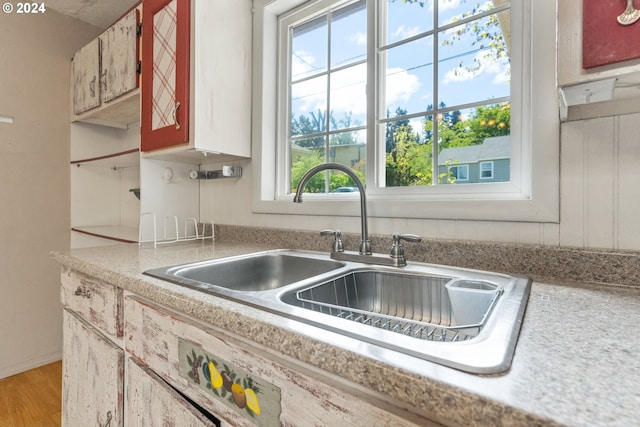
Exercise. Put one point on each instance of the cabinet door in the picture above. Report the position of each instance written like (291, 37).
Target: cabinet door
(165, 73)
(85, 70)
(92, 376)
(119, 57)
(152, 402)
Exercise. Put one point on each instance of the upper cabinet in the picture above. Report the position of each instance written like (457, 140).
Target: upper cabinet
(85, 74)
(196, 78)
(165, 73)
(119, 57)
(106, 70)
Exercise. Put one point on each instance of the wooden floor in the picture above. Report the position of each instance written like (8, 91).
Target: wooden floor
(32, 398)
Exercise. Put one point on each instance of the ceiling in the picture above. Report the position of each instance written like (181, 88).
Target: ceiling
(101, 13)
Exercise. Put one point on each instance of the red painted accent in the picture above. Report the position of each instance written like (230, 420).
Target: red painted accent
(604, 40)
(104, 236)
(167, 136)
(107, 156)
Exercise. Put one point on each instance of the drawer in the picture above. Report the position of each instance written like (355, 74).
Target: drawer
(100, 303)
(179, 349)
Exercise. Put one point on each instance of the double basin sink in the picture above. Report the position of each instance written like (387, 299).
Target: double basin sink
(464, 319)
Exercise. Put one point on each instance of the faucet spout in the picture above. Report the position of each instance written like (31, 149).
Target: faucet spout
(365, 243)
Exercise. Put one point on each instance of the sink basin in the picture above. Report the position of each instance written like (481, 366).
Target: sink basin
(255, 272)
(461, 318)
(419, 306)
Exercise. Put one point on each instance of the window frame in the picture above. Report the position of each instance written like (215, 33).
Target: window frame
(464, 167)
(528, 197)
(491, 169)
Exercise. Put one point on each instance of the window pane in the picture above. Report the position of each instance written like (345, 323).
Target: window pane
(450, 11)
(309, 106)
(309, 48)
(349, 149)
(409, 152)
(349, 35)
(407, 19)
(408, 72)
(472, 67)
(305, 154)
(348, 97)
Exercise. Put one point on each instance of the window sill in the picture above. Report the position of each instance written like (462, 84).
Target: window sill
(517, 209)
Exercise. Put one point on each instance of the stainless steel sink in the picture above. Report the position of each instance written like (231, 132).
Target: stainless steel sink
(419, 306)
(255, 272)
(465, 319)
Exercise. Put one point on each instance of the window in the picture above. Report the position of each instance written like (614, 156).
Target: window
(459, 173)
(443, 73)
(384, 86)
(486, 170)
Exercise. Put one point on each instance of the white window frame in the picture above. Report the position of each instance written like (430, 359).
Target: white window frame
(533, 193)
(491, 165)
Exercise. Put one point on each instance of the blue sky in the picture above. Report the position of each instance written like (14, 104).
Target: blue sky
(409, 68)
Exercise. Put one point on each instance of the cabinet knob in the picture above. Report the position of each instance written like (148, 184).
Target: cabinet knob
(85, 293)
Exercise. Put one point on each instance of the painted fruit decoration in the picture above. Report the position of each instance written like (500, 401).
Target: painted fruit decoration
(214, 374)
(243, 393)
(237, 392)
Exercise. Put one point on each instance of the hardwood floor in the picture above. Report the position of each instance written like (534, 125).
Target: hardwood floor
(32, 398)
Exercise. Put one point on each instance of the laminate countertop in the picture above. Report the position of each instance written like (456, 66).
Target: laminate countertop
(576, 362)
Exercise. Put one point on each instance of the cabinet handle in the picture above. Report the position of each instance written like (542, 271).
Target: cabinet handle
(175, 115)
(86, 293)
(92, 87)
(108, 422)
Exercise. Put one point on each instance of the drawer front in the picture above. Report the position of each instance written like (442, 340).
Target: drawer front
(152, 402)
(100, 303)
(158, 337)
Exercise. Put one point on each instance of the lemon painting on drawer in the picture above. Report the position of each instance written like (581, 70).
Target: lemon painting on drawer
(249, 395)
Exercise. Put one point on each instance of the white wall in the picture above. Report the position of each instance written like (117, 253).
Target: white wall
(34, 182)
(599, 189)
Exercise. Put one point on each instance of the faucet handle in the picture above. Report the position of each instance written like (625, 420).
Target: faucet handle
(337, 243)
(397, 250)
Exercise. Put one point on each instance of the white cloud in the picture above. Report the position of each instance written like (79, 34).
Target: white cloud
(403, 32)
(359, 38)
(470, 71)
(302, 63)
(401, 85)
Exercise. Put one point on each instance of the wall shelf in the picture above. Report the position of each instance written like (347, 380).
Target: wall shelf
(122, 159)
(119, 113)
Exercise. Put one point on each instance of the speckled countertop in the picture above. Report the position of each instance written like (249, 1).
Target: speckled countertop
(576, 362)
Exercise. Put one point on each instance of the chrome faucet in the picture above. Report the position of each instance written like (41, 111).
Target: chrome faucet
(365, 243)
(396, 259)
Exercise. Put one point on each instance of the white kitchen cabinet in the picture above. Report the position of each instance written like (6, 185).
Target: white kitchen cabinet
(92, 362)
(105, 76)
(196, 79)
(119, 57)
(150, 401)
(85, 71)
(285, 392)
(92, 372)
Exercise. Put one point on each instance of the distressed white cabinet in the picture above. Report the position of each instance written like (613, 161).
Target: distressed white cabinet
(138, 363)
(245, 386)
(119, 57)
(85, 71)
(105, 76)
(92, 363)
(92, 375)
(150, 401)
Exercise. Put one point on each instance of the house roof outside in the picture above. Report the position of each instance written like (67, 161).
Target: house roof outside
(494, 148)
